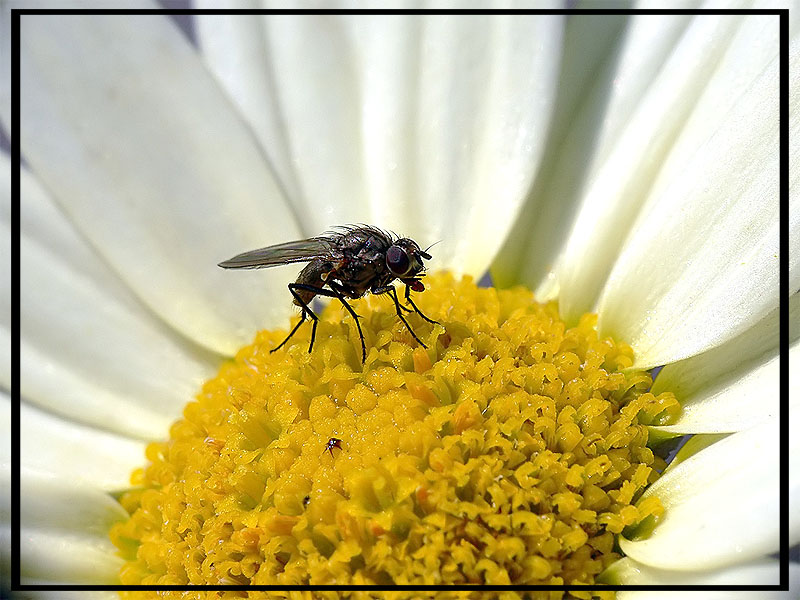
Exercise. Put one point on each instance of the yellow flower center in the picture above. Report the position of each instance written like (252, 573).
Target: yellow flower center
(510, 451)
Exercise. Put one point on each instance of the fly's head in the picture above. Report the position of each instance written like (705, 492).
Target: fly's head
(404, 261)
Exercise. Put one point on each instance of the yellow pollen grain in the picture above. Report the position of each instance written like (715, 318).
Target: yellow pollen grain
(511, 451)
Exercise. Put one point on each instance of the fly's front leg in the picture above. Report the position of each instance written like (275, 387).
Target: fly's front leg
(389, 289)
(416, 308)
(403, 306)
(337, 292)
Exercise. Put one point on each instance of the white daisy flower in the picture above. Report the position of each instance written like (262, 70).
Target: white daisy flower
(627, 166)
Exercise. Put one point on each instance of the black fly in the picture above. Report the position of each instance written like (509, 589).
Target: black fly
(347, 263)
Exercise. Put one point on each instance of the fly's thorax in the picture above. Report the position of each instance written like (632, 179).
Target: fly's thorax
(358, 275)
(364, 243)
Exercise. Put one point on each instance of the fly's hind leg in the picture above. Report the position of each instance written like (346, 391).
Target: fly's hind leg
(334, 292)
(305, 310)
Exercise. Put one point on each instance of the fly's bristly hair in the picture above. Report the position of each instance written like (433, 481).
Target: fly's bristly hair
(337, 230)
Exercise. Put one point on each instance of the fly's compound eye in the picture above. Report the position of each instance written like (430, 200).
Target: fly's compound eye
(397, 260)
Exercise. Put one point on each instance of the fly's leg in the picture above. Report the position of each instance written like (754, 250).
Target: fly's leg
(337, 293)
(403, 306)
(389, 289)
(416, 308)
(305, 310)
(334, 292)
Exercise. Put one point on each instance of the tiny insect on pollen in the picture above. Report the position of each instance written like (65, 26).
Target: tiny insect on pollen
(331, 444)
(346, 263)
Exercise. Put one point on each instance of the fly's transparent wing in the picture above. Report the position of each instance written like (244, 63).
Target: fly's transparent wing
(280, 254)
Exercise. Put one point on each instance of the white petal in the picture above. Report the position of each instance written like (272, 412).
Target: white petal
(5, 553)
(660, 83)
(132, 136)
(5, 68)
(794, 447)
(64, 531)
(486, 92)
(629, 572)
(75, 452)
(609, 64)
(731, 387)
(57, 557)
(701, 265)
(432, 126)
(751, 395)
(89, 350)
(721, 505)
(319, 106)
(748, 570)
(794, 160)
(5, 490)
(46, 519)
(5, 272)
(5, 463)
(235, 47)
(5, 433)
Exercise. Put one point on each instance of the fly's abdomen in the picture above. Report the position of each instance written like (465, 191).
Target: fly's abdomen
(314, 274)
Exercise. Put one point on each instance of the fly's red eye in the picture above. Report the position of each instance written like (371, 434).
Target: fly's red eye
(397, 260)
(417, 286)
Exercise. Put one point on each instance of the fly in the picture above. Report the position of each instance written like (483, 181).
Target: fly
(346, 263)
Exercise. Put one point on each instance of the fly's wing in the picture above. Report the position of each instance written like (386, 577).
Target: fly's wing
(280, 254)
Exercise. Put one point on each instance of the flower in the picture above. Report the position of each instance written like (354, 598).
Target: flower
(625, 165)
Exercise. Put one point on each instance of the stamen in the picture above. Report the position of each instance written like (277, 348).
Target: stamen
(509, 450)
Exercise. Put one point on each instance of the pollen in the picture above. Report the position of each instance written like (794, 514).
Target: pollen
(510, 450)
